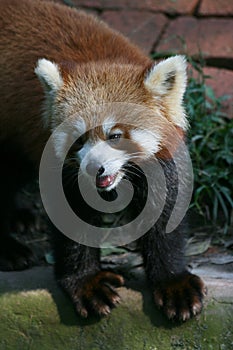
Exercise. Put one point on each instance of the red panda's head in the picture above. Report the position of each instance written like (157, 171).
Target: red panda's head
(114, 114)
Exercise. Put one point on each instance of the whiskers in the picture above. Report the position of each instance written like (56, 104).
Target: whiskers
(137, 155)
(71, 172)
(136, 168)
(130, 166)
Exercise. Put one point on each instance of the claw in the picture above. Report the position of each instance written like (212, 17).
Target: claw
(94, 294)
(180, 297)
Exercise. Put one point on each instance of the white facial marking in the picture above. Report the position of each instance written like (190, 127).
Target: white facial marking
(60, 138)
(147, 140)
(80, 125)
(83, 153)
(70, 134)
(104, 156)
(108, 125)
(111, 159)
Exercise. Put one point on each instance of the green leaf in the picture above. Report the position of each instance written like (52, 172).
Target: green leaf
(197, 246)
(112, 250)
(49, 257)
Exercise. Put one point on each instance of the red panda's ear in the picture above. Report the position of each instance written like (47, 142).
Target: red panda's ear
(167, 80)
(49, 75)
(168, 75)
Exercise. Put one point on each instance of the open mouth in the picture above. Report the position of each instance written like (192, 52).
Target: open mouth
(105, 181)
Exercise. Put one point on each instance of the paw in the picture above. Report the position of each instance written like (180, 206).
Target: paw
(94, 294)
(181, 297)
(14, 255)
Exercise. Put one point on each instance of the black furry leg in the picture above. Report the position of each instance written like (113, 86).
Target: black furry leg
(13, 255)
(178, 292)
(77, 270)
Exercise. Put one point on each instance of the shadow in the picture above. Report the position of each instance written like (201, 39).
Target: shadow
(140, 284)
(42, 278)
(66, 311)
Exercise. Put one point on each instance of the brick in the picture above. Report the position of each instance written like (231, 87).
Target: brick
(168, 6)
(221, 82)
(216, 7)
(142, 28)
(213, 37)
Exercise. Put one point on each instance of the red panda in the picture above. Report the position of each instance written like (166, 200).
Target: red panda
(57, 62)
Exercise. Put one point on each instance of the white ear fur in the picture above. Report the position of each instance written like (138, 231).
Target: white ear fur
(168, 80)
(167, 75)
(49, 75)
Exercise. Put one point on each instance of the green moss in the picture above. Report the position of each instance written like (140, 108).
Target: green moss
(32, 320)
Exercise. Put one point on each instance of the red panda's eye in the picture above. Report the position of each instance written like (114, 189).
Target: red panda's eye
(115, 137)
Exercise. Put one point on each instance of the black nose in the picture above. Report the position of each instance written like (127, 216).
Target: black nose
(94, 169)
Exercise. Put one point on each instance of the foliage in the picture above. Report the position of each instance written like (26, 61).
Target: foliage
(211, 148)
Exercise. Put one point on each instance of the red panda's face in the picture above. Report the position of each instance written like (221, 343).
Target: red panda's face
(113, 115)
(101, 160)
(104, 152)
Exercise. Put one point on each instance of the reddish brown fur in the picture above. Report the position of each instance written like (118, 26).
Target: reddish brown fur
(35, 29)
(173, 138)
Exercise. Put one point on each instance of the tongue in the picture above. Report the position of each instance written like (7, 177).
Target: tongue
(105, 181)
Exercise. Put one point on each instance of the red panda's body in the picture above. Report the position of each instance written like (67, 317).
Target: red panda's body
(81, 63)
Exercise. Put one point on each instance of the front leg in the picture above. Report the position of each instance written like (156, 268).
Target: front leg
(78, 271)
(176, 291)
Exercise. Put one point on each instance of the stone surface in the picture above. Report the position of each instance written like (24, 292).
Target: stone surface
(212, 37)
(142, 28)
(216, 7)
(168, 6)
(36, 315)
